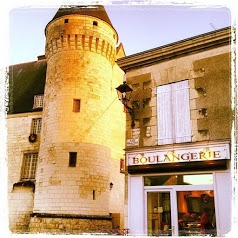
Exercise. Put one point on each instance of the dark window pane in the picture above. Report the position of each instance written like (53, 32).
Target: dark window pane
(72, 159)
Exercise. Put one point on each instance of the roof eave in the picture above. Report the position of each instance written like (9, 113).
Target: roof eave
(177, 49)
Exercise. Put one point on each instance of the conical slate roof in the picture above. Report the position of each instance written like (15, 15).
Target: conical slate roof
(97, 11)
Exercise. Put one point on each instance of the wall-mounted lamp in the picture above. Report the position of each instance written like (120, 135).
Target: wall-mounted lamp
(124, 95)
(111, 186)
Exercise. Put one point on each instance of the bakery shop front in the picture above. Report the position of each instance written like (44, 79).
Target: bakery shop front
(180, 191)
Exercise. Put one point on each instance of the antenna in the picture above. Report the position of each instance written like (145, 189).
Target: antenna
(213, 26)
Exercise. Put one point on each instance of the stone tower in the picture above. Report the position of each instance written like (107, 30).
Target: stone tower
(82, 136)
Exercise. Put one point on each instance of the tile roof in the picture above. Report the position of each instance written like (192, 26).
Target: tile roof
(25, 81)
(97, 11)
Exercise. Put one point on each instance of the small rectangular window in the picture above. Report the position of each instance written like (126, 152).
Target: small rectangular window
(29, 166)
(38, 101)
(36, 125)
(76, 105)
(72, 159)
(66, 20)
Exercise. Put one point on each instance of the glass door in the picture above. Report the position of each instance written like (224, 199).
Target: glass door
(159, 221)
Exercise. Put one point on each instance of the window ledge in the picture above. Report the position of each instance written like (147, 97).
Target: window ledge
(36, 109)
(26, 183)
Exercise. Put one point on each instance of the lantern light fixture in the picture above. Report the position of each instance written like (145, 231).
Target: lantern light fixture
(124, 93)
(111, 186)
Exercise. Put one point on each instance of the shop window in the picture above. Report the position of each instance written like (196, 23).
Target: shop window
(36, 125)
(173, 109)
(183, 179)
(29, 166)
(38, 101)
(196, 213)
(72, 159)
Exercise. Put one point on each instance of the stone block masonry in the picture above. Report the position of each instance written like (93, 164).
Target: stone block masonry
(61, 224)
(81, 139)
(80, 67)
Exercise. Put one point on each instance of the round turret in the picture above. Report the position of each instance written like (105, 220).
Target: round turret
(73, 173)
(85, 28)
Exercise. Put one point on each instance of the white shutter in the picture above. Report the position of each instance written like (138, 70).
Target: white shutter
(164, 114)
(181, 111)
(173, 112)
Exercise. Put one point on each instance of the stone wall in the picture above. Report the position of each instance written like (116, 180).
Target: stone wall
(69, 225)
(81, 66)
(20, 208)
(197, 67)
(20, 198)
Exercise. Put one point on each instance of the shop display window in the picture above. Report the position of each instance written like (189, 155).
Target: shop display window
(196, 213)
(181, 204)
(165, 180)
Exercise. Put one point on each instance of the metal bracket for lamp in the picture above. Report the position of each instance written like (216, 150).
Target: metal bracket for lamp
(132, 114)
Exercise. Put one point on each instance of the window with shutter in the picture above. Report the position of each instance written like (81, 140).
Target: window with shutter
(173, 111)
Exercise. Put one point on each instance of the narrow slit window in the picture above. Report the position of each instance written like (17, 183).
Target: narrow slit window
(76, 105)
(72, 159)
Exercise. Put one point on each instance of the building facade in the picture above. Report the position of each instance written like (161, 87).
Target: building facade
(64, 152)
(178, 174)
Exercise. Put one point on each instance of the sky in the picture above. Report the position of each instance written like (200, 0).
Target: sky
(141, 25)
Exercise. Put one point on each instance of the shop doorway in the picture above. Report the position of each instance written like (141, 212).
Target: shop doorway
(159, 213)
(183, 209)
